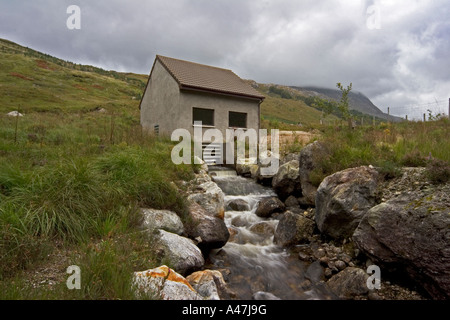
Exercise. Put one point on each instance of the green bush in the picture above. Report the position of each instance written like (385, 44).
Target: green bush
(438, 171)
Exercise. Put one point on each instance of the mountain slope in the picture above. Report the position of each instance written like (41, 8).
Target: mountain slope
(357, 101)
(34, 81)
(31, 81)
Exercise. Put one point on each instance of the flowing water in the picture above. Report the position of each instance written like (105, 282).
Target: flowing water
(254, 262)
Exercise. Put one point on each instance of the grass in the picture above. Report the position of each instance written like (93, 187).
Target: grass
(72, 179)
(69, 184)
(387, 146)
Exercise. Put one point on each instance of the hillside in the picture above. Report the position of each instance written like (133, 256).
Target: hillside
(31, 81)
(357, 101)
(36, 82)
(282, 110)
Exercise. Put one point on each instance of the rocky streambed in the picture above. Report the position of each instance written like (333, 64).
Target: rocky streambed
(255, 237)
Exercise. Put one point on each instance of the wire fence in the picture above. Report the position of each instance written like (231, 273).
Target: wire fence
(424, 111)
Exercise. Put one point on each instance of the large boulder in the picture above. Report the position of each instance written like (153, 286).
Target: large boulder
(210, 197)
(238, 205)
(210, 284)
(349, 283)
(210, 232)
(411, 234)
(162, 219)
(293, 229)
(247, 168)
(267, 167)
(163, 283)
(180, 252)
(268, 206)
(287, 181)
(308, 158)
(343, 199)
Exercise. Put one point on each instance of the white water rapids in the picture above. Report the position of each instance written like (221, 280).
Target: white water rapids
(253, 261)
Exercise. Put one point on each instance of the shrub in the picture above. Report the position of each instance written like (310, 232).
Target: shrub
(438, 171)
(413, 159)
(389, 169)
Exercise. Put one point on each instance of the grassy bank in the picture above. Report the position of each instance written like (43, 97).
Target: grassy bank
(388, 146)
(73, 183)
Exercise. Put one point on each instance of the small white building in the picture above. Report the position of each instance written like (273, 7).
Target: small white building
(178, 93)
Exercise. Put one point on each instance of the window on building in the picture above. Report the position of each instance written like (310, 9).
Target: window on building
(206, 116)
(237, 119)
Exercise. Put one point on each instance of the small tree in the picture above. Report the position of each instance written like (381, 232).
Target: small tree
(326, 106)
(343, 104)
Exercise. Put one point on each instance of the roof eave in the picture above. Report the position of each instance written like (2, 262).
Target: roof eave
(233, 94)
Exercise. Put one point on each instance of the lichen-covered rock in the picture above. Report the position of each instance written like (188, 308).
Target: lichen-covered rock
(268, 206)
(209, 284)
(162, 219)
(210, 197)
(293, 229)
(163, 283)
(262, 295)
(238, 205)
(181, 252)
(265, 228)
(210, 232)
(287, 182)
(343, 199)
(247, 168)
(411, 234)
(349, 283)
(308, 158)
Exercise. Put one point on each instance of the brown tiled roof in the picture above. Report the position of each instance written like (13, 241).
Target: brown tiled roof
(195, 76)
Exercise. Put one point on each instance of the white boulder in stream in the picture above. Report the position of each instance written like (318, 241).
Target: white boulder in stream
(163, 283)
(210, 232)
(182, 253)
(162, 219)
(210, 197)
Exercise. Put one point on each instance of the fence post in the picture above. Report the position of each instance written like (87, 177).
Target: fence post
(424, 117)
(406, 117)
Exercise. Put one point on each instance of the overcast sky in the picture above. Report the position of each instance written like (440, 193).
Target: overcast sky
(396, 52)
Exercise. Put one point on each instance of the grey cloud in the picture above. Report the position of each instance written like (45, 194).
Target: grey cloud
(289, 42)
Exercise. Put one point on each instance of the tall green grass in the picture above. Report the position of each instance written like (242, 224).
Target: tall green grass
(64, 179)
(387, 146)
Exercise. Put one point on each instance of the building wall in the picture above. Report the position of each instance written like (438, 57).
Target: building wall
(221, 104)
(165, 105)
(160, 104)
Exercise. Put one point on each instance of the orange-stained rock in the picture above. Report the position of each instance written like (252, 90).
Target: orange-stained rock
(164, 283)
(210, 284)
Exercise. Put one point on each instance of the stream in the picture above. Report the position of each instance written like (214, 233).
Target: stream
(252, 261)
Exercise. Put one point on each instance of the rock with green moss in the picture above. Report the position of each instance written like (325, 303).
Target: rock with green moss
(410, 233)
(343, 199)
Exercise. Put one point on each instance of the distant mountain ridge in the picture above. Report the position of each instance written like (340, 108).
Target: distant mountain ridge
(357, 100)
